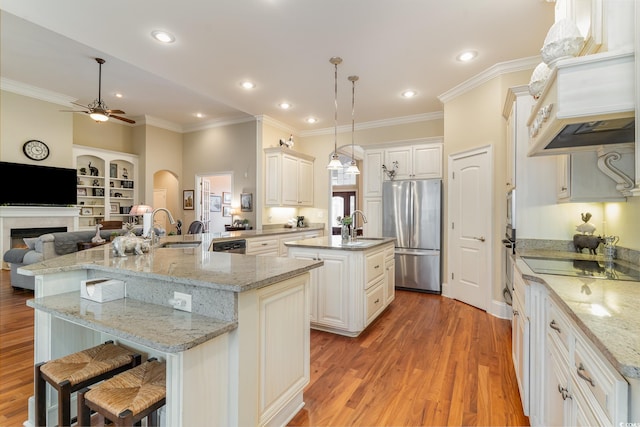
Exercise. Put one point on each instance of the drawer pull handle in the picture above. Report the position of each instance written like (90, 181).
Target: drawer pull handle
(377, 301)
(377, 266)
(553, 325)
(264, 244)
(588, 379)
(516, 312)
(564, 392)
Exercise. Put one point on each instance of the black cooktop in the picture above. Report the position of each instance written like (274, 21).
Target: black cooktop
(582, 268)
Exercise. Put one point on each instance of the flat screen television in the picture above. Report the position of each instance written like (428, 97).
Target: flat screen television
(32, 185)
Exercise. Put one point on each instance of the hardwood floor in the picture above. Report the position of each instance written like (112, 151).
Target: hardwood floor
(427, 361)
(16, 353)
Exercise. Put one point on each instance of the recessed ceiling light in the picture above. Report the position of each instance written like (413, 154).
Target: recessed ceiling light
(409, 93)
(311, 120)
(199, 115)
(163, 36)
(467, 55)
(118, 95)
(248, 85)
(284, 105)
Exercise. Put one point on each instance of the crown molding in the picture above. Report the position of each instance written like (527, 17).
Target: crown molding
(267, 120)
(416, 118)
(490, 73)
(35, 92)
(217, 123)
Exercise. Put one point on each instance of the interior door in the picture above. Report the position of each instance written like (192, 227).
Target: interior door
(205, 201)
(470, 205)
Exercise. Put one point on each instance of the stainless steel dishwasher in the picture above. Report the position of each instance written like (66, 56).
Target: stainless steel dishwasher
(232, 246)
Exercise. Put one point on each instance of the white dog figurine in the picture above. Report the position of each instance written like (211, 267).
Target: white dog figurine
(123, 244)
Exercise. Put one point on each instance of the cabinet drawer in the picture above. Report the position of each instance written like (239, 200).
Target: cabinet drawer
(259, 246)
(519, 286)
(559, 329)
(600, 383)
(390, 252)
(374, 268)
(374, 301)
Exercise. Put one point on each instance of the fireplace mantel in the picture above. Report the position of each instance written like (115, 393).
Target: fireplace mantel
(34, 216)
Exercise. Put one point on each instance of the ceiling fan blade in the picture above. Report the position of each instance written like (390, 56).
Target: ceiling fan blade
(124, 119)
(116, 112)
(73, 111)
(79, 105)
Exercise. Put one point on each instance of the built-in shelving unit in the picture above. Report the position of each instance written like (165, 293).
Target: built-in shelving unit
(106, 184)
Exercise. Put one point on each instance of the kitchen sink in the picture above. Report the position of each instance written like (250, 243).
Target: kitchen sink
(179, 245)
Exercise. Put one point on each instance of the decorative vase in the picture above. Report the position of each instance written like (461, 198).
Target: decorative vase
(345, 233)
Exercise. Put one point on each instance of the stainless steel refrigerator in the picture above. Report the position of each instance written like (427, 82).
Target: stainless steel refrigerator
(412, 212)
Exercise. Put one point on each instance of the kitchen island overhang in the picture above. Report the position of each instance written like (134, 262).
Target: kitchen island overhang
(223, 372)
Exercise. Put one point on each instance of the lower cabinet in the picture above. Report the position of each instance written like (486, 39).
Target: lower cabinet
(351, 289)
(570, 382)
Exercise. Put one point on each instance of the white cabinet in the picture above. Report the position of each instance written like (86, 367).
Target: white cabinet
(390, 272)
(415, 161)
(372, 173)
(516, 111)
(580, 180)
(288, 178)
(520, 339)
(284, 250)
(269, 245)
(373, 209)
(106, 184)
(351, 289)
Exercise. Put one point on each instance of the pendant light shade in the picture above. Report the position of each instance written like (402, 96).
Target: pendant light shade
(353, 167)
(335, 163)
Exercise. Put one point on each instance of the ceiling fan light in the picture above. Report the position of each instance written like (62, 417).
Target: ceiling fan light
(99, 117)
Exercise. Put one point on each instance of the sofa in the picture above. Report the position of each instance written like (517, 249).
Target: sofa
(49, 246)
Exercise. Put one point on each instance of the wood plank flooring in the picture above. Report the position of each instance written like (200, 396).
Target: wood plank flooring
(427, 361)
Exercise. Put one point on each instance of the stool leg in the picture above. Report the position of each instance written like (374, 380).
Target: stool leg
(64, 403)
(40, 396)
(84, 413)
(152, 419)
(125, 418)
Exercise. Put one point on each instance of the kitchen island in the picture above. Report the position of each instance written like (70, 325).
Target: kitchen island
(239, 358)
(355, 284)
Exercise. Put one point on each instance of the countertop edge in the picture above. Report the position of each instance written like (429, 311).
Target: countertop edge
(629, 371)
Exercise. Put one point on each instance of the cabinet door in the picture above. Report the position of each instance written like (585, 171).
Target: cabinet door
(289, 180)
(562, 177)
(402, 155)
(558, 399)
(373, 209)
(520, 351)
(372, 173)
(333, 290)
(305, 182)
(427, 162)
(313, 285)
(273, 182)
(390, 280)
(511, 150)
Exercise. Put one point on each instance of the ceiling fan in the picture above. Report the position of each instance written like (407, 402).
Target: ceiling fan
(98, 110)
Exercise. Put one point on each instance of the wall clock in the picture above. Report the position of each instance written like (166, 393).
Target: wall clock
(35, 150)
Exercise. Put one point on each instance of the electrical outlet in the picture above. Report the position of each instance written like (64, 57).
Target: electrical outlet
(181, 301)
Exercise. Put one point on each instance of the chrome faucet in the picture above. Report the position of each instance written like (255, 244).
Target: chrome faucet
(354, 229)
(152, 232)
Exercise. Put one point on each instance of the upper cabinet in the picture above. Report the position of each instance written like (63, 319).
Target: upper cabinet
(414, 161)
(288, 178)
(372, 172)
(106, 184)
(516, 111)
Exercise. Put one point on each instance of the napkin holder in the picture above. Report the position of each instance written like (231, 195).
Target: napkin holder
(102, 289)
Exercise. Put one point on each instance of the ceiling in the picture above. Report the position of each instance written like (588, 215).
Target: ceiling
(283, 46)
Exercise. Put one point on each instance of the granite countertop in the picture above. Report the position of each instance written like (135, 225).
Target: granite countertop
(190, 266)
(246, 234)
(615, 327)
(335, 242)
(155, 326)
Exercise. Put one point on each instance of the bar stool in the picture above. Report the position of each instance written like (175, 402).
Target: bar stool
(128, 397)
(75, 371)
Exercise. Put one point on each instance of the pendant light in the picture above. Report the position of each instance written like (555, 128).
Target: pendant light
(335, 163)
(353, 167)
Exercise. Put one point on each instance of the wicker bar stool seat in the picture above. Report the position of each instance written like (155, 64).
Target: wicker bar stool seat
(76, 371)
(128, 397)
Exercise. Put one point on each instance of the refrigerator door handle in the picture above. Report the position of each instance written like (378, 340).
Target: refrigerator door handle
(416, 252)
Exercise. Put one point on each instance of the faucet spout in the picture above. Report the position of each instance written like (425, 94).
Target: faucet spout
(354, 230)
(152, 233)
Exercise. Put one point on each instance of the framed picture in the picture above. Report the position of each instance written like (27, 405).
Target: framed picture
(226, 211)
(215, 202)
(86, 211)
(113, 170)
(114, 208)
(246, 202)
(187, 199)
(82, 192)
(98, 192)
(226, 198)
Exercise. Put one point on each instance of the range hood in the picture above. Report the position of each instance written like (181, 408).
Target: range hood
(587, 102)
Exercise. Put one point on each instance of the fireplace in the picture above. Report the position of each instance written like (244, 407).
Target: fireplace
(24, 217)
(19, 234)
